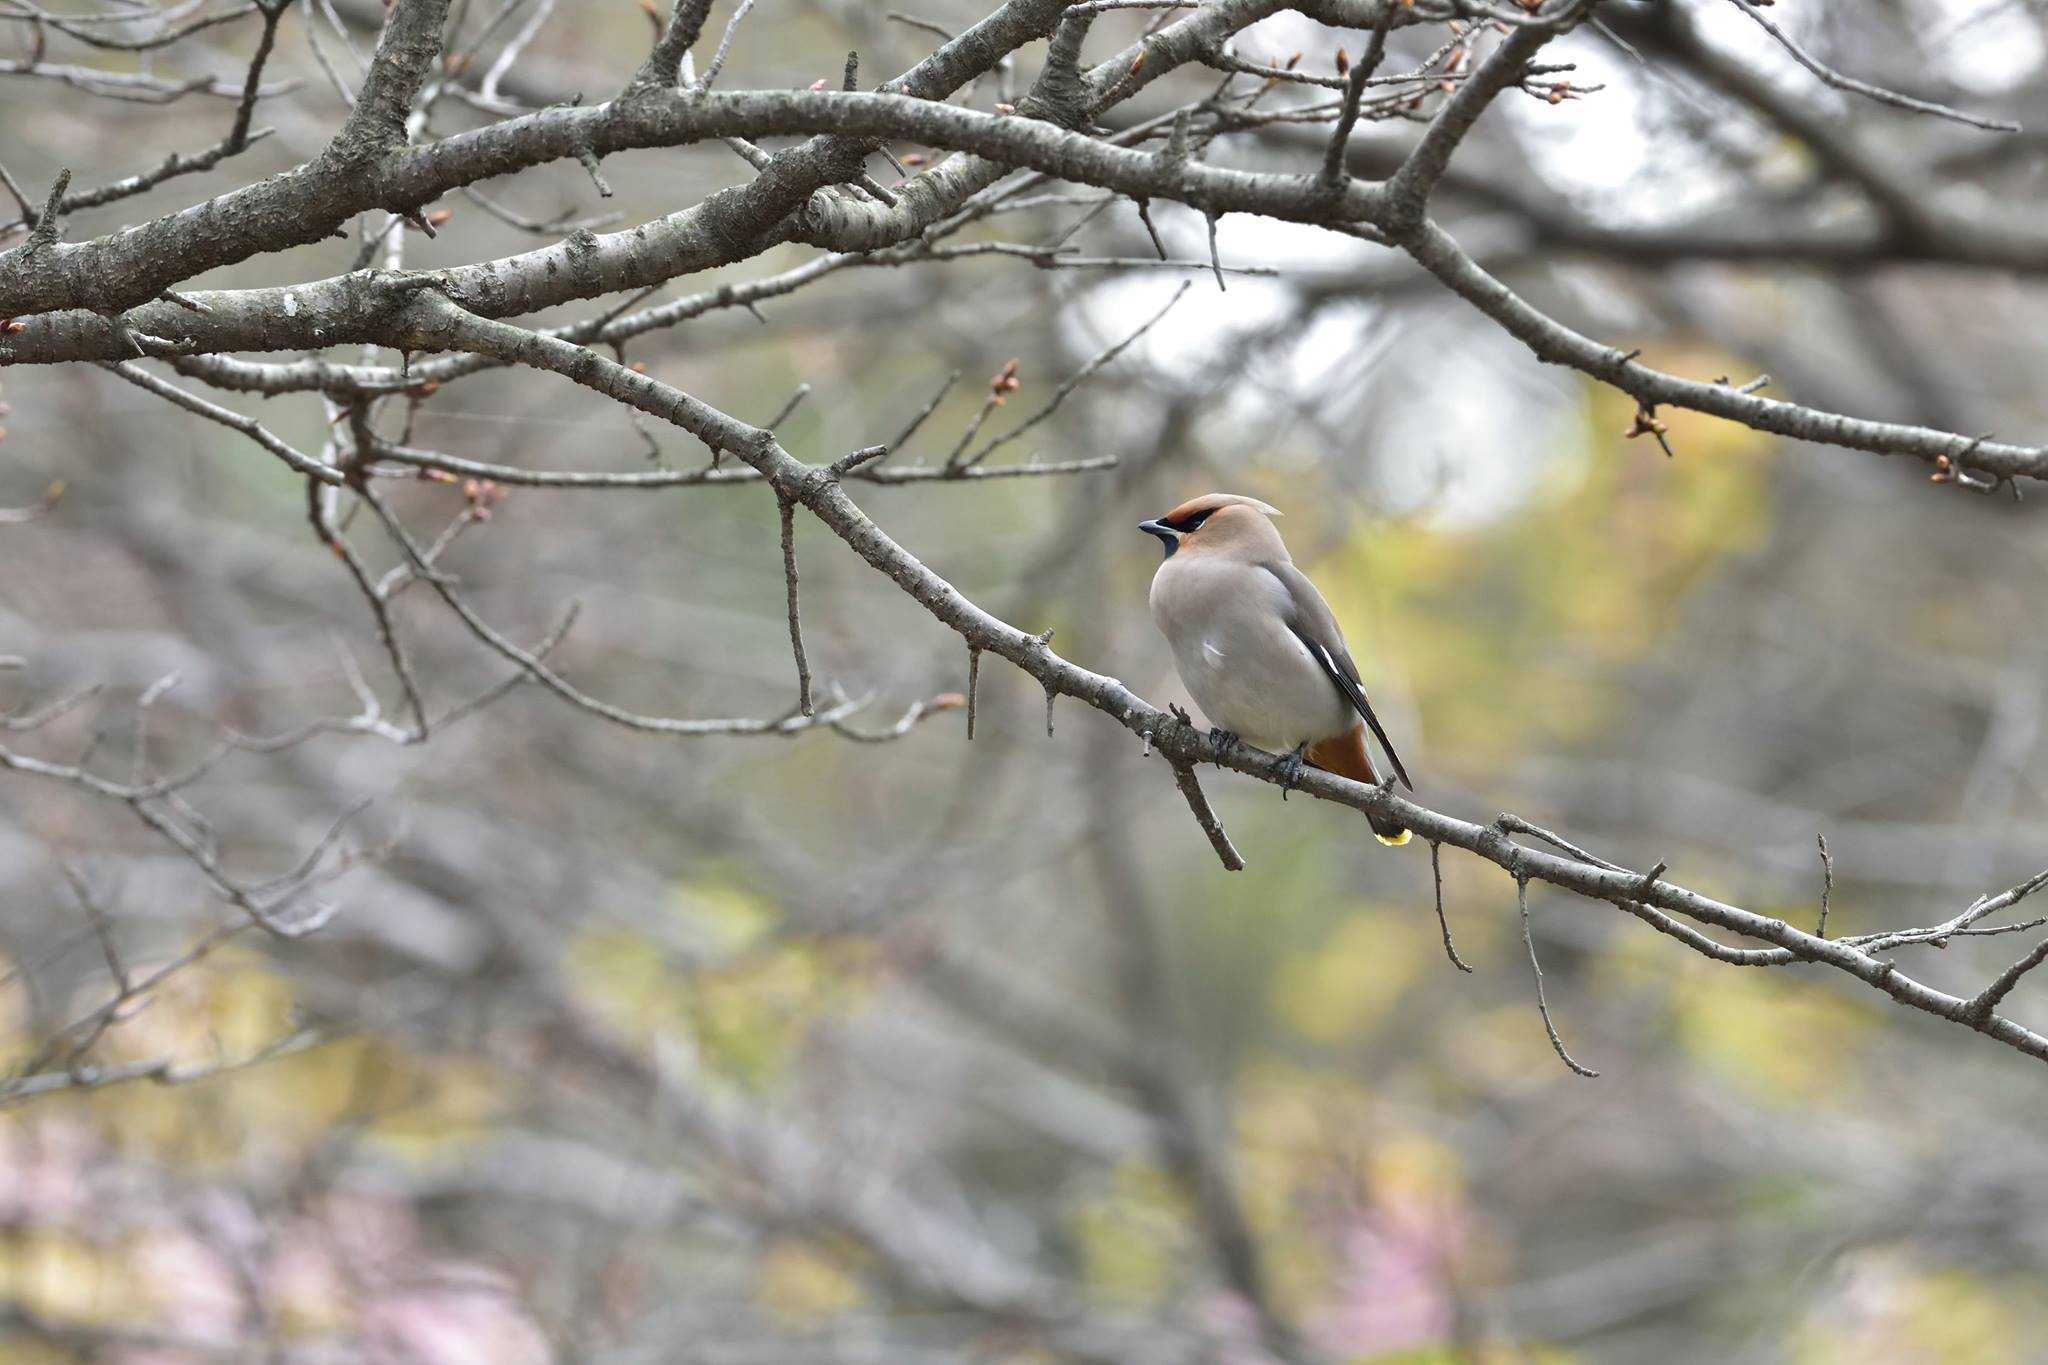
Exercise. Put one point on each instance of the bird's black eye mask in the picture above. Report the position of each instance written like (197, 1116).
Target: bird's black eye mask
(1170, 532)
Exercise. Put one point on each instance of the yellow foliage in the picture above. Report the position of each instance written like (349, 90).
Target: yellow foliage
(1300, 1134)
(750, 1016)
(1132, 1237)
(1518, 623)
(1960, 1319)
(627, 978)
(1899, 1312)
(802, 1283)
(1293, 1123)
(731, 917)
(1412, 1167)
(38, 1353)
(232, 1005)
(1500, 1050)
(309, 1298)
(1345, 987)
(229, 1006)
(1783, 1039)
(58, 1275)
(747, 1007)
(246, 1006)
(453, 1100)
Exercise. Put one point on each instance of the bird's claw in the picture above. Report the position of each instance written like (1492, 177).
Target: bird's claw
(1224, 741)
(1175, 710)
(1290, 770)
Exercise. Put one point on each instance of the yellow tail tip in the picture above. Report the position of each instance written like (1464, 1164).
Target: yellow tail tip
(1399, 839)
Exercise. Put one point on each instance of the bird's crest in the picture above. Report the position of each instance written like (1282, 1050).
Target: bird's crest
(1210, 502)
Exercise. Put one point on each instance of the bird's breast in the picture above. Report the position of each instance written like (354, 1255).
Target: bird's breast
(1248, 672)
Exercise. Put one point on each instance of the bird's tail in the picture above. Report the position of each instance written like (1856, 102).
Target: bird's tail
(1346, 756)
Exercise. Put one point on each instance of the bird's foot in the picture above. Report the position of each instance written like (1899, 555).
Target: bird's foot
(1290, 769)
(1180, 714)
(1224, 741)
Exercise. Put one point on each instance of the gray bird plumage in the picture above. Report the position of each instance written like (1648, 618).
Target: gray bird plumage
(1255, 643)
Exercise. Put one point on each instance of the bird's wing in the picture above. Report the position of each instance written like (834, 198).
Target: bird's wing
(1313, 623)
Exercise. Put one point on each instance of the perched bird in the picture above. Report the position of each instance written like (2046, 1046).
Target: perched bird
(1258, 647)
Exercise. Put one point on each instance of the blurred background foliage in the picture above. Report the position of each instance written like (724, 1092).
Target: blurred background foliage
(635, 1049)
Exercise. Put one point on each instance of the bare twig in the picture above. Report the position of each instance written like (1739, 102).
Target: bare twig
(1205, 816)
(1984, 1002)
(1536, 968)
(1827, 886)
(786, 508)
(21, 1089)
(1354, 90)
(1835, 80)
(1436, 873)
(1074, 381)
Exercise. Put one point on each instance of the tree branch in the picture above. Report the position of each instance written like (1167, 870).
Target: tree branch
(406, 53)
(433, 322)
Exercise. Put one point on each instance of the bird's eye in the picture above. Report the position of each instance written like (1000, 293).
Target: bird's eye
(1189, 525)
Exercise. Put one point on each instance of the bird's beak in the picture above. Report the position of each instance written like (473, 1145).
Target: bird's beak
(1169, 539)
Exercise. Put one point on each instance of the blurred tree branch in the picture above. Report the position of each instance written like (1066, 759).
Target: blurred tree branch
(1391, 153)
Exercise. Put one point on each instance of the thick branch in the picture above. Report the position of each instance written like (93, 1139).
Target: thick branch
(407, 51)
(726, 226)
(308, 203)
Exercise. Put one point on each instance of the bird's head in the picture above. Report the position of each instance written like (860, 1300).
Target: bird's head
(1214, 520)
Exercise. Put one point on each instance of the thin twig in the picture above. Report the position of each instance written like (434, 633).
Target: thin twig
(1543, 1005)
(787, 508)
(380, 613)
(924, 413)
(1987, 1000)
(1827, 886)
(1436, 872)
(1074, 381)
(1354, 90)
(1205, 816)
(973, 685)
(782, 415)
(1849, 84)
(20, 1089)
(717, 62)
(553, 681)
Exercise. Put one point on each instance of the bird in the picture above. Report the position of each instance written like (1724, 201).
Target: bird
(1259, 649)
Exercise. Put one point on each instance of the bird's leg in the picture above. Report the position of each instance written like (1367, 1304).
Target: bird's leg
(1290, 769)
(1224, 741)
